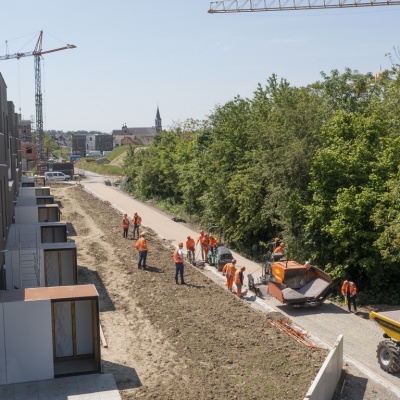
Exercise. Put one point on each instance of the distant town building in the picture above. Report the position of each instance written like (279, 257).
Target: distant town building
(29, 152)
(79, 145)
(83, 144)
(25, 130)
(146, 135)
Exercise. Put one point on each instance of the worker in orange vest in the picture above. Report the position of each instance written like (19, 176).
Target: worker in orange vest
(239, 276)
(349, 291)
(125, 225)
(178, 260)
(136, 222)
(190, 247)
(213, 241)
(141, 247)
(279, 252)
(200, 240)
(229, 271)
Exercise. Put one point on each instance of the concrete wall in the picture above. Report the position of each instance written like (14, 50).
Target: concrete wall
(38, 213)
(34, 191)
(325, 383)
(10, 167)
(39, 325)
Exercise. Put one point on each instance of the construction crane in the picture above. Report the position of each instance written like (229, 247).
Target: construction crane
(233, 6)
(37, 53)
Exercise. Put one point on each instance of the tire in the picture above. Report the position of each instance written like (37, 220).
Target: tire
(388, 356)
(66, 179)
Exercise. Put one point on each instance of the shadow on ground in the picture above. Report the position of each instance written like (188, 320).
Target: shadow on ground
(87, 276)
(125, 377)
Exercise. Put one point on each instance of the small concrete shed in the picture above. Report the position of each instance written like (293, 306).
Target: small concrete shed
(49, 332)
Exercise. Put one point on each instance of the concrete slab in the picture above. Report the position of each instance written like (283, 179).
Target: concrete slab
(83, 387)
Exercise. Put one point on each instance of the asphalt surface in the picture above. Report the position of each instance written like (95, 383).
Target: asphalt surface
(325, 323)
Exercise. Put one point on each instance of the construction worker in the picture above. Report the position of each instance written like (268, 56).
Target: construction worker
(190, 247)
(349, 291)
(125, 226)
(178, 260)
(229, 271)
(213, 241)
(136, 222)
(239, 276)
(200, 240)
(141, 247)
(279, 252)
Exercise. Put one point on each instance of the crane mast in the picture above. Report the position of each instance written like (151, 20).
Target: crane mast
(37, 54)
(233, 6)
(38, 97)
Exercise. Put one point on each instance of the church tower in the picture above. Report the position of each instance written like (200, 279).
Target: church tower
(158, 121)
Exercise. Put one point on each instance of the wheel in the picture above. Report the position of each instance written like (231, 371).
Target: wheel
(388, 356)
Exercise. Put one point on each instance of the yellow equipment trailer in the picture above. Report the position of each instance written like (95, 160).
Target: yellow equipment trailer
(388, 351)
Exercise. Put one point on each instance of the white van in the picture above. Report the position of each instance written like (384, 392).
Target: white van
(56, 176)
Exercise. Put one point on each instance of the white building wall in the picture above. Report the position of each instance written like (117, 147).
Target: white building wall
(90, 142)
(28, 340)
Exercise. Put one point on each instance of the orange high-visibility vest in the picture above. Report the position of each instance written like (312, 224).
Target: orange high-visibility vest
(190, 244)
(141, 244)
(213, 241)
(200, 239)
(239, 277)
(125, 223)
(349, 285)
(229, 270)
(136, 220)
(279, 250)
(178, 258)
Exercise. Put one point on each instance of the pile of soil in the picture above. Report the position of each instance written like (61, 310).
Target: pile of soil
(193, 341)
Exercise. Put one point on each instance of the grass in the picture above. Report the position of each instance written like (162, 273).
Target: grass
(116, 153)
(102, 167)
(89, 164)
(62, 153)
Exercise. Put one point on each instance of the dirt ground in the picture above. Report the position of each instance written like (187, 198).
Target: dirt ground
(193, 341)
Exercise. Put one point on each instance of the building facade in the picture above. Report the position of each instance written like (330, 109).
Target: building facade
(10, 169)
(139, 136)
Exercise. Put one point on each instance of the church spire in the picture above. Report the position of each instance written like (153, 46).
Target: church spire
(158, 121)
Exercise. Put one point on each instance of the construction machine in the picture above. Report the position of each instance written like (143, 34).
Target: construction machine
(292, 283)
(220, 255)
(388, 351)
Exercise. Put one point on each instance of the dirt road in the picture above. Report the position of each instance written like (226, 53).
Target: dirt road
(194, 341)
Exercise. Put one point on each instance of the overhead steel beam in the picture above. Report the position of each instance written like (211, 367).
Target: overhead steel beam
(234, 6)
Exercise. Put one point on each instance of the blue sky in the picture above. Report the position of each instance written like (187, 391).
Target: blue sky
(134, 55)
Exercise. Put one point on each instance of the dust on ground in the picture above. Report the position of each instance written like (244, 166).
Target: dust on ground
(193, 341)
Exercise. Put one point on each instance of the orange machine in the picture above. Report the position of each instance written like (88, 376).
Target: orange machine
(295, 284)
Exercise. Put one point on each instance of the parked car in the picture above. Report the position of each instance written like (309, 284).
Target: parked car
(56, 176)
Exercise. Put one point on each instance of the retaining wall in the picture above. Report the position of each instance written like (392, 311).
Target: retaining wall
(324, 384)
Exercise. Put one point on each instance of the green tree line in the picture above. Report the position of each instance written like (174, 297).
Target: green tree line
(317, 166)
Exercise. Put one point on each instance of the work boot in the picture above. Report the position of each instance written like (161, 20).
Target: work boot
(183, 283)
(176, 280)
(138, 266)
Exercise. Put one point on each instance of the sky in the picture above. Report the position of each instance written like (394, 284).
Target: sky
(134, 56)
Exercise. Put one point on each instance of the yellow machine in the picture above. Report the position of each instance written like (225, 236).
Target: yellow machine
(388, 351)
